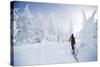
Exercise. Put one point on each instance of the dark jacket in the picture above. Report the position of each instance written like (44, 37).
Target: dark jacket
(72, 40)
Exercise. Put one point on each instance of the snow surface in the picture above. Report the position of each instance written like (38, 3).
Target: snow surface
(51, 53)
(44, 53)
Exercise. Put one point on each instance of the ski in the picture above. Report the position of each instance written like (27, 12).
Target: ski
(75, 57)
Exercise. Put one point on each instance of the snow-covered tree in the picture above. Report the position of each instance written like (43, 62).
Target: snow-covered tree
(29, 29)
(88, 34)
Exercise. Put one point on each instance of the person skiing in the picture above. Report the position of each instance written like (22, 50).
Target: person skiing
(72, 40)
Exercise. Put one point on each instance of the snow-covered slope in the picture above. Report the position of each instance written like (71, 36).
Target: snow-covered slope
(44, 53)
(51, 53)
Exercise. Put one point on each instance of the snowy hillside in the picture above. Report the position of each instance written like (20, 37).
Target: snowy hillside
(41, 37)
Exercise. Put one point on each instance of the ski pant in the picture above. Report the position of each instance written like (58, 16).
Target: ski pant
(73, 47)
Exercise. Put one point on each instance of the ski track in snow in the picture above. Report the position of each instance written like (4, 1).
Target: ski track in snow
(45, 53)
(50, 53)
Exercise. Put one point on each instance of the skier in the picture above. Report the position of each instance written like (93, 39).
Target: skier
(72, 40)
